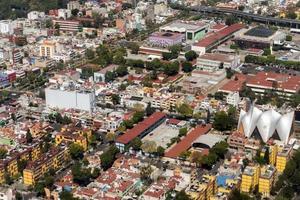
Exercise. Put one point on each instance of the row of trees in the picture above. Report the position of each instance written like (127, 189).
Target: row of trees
(58, 118)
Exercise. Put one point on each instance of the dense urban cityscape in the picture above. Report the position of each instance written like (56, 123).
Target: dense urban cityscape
(150, 99)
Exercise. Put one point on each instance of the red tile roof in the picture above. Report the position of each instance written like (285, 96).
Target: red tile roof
(234, 85)
(140, 128)
(266, 79)
(174, 121)
(212, 38)
(186, 143)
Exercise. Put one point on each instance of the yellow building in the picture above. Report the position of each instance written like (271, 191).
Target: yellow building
(250, 178)
(2, 175)
(11, 166)
(48, 49)
(54, 159)
(203, 189)
(35, 152)
(282, 158)
(272, 153)
(230, 184)
(266, 180)
(73, 137)
(39, 129)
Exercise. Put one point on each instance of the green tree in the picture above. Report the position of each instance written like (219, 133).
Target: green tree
(145, 174)
(21, 165)
(66, 195)
(134, 47)
(90, 54)
(28, 137)
(289, 38)
(237, 195)
(81, 176)
(267, 52)
(182, 195)
(291, 15)
(108, 157)
(185, 110)
(229, 73)
(136, 144)
(75, 12)
(149, 110)
(76, 151)
(171, 69)
(18, 196)
(160, 151)
(290, 169)
(230, 20)
(221, 121)
(109, 76)
(267, 155)
(121, 71)
(115, 98)
(149, 146)
(182, 132)
(187, 67)
(138, 116)
(110, 137)
(3, 153)
(190, 55)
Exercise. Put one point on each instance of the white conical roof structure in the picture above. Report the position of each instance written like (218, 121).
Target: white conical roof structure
(249, 120)
(266, 124)
(284, 126)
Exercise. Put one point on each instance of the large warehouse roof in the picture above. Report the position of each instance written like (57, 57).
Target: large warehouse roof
(209, 139)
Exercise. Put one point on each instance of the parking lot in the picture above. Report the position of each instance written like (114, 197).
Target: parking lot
(162, 135)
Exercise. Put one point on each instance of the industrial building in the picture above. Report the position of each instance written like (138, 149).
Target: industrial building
(163, 39)
(216, 61)
(193, 30)
(258, 38)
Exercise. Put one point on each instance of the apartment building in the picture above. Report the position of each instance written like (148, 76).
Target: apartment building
(282, 157)
(68, 25)
(250, 178)
(48, 49)
(266, 180)
(53, 159)
(79, 137)
(203, 189)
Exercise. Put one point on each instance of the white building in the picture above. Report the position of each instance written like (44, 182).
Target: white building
(70, 99)
(64, 13)
(6, 27)
(233, 99)
(35, 15)
(6, 194)
(73, 5)
(266, 124)
(216, 61)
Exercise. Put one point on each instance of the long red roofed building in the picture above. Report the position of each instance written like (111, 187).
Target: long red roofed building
(187, 142)
(141, 129)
